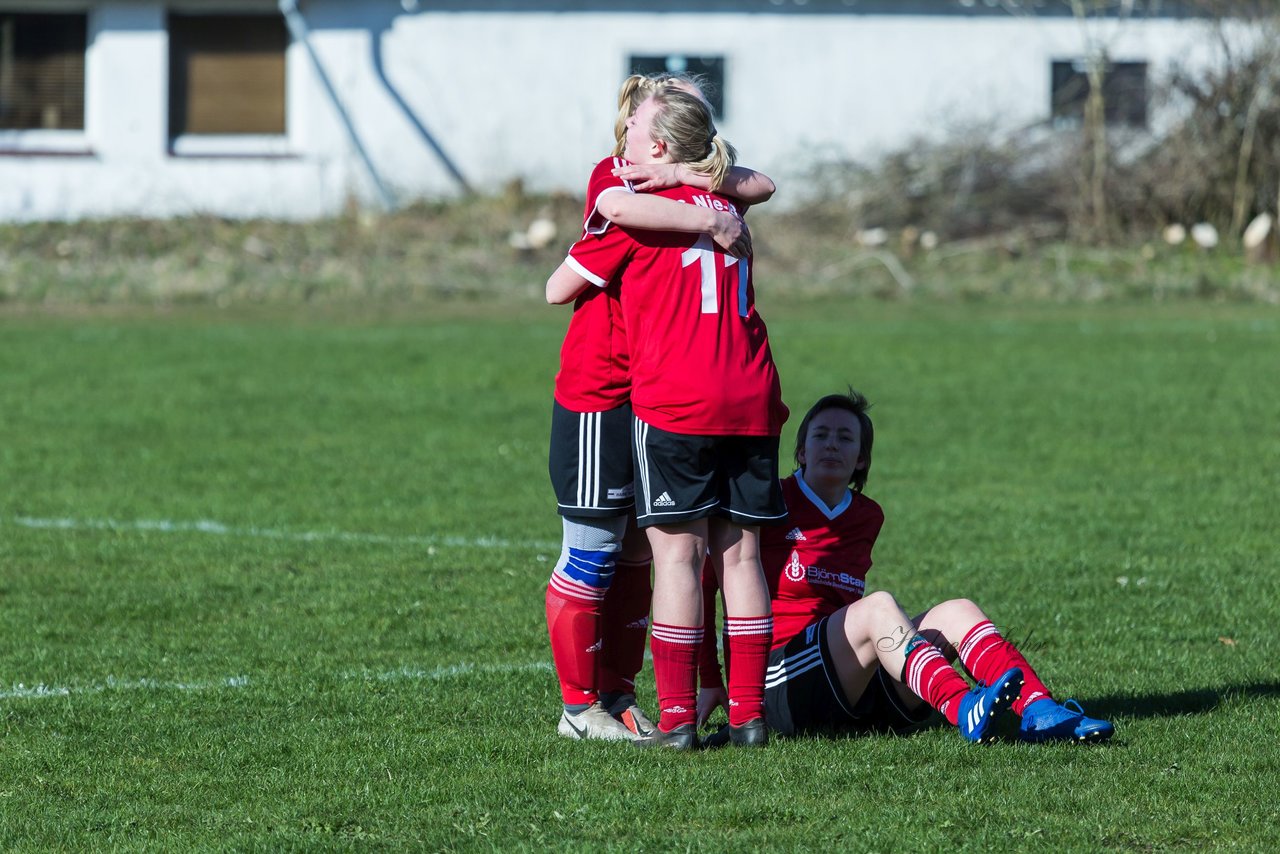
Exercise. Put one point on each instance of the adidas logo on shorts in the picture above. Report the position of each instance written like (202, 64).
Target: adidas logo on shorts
(664, 500)
(796, 534)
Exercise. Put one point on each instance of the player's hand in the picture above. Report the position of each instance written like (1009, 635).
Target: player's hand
(709, 699)
(650, 176)
(731, 234)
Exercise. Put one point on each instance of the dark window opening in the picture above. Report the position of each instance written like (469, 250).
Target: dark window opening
(1124, 93)
(42, 71)
(708, 70)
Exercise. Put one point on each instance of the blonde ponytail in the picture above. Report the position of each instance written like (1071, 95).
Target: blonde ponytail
(635, 89)
(684, 123)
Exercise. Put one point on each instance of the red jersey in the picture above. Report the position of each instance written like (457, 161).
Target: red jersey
(817, 563)
(602, 181)
(700, 358)
(593, 374)
(814, 565)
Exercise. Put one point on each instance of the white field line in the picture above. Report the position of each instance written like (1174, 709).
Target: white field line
(404, 674)
(205, 526)
(439, 674)
(42, 691)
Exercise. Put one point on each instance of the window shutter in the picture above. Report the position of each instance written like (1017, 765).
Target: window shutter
(227, 74)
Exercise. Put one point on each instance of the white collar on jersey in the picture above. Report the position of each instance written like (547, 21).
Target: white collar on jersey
(829, 512)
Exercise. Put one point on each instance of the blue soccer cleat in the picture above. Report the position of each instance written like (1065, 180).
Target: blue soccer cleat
(980, 708)
(1048, 720)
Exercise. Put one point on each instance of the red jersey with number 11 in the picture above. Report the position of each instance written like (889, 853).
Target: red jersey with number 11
(700, 358)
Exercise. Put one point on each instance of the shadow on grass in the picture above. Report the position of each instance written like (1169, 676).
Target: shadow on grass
(1196, 701)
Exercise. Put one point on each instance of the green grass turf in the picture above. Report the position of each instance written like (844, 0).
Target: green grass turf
(276, 582)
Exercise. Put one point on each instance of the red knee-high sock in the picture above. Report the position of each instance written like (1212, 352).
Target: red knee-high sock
(928, 673)
(724, 648)
(675, 673)
(749, 639)
(986, 654)
(573, 622)
(625, 618)
(709, 675)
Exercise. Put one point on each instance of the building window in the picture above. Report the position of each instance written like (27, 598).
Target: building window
(226, 75)
(1124, 93)
(709, 70)
(42, 71)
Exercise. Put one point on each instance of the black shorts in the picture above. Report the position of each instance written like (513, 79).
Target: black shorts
(590, 462)
(680, 478)
(802, 693)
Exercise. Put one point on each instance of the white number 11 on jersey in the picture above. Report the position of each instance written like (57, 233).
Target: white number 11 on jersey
(704, 254)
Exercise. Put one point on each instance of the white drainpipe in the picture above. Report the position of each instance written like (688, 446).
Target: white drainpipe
(302, 34)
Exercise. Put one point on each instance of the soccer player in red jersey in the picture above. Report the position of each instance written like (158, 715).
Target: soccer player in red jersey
(708, 411)
(597, 601)
(844, 661)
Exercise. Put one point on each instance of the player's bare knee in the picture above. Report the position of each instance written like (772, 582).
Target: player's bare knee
(679, 550)
(960, 609)
(884, 605)
(742, 568)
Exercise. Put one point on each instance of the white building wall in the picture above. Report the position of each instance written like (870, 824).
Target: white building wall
(797, 87)
(497, 97)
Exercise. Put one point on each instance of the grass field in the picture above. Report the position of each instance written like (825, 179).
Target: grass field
(274, 581)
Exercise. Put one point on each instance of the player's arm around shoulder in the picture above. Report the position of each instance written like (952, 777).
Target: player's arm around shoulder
(615, 200)
(657, 213)
(748, 185)
(593, 260)
(603, 182)
(565, 284)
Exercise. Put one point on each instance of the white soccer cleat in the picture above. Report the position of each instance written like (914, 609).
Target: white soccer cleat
(632, 716)
(595, 723)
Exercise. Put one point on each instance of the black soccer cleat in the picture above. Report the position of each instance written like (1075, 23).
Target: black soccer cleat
(754, 733)
(683, 737)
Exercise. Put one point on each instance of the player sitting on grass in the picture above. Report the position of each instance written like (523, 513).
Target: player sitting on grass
(842, 661)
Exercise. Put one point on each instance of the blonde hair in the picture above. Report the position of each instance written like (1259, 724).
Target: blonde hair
(635, 90)
(684, 122)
